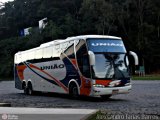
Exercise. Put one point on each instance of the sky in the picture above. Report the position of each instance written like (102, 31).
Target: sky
(5, 0)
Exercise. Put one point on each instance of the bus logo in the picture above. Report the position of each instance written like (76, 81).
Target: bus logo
(55, 66)
(107, 44)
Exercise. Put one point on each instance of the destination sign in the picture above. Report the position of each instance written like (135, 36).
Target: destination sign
(106, 45)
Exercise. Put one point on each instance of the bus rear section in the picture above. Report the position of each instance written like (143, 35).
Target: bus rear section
(89, 65)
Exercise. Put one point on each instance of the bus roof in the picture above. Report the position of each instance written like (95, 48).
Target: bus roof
(81, 37)
(58, 41)
(92, 36)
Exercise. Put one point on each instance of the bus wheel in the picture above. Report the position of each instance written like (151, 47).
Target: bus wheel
(105, 97)
(30, 89)
(73, 90)
(25, 88)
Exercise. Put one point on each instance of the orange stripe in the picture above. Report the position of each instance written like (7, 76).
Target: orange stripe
(103, 82)
(57, 81)
(20, 70)
(85, 88)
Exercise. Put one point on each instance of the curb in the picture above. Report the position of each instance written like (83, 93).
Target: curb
(5, 105)
(89, 115)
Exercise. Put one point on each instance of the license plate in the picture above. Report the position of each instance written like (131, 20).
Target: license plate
(115, 91)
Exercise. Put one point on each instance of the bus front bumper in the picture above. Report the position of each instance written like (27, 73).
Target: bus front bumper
(98, 91)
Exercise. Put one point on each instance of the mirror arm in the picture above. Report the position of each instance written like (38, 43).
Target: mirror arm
(91, 58)
(135, 57)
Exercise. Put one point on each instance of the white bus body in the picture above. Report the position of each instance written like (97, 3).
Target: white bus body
(91, 65)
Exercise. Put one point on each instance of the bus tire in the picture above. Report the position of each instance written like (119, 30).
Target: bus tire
(105, 97)
(24, 87)
(30, 89)
(73, 90)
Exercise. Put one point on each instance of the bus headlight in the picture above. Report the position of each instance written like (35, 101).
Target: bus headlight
(114, 83)
(127, 84)
(98, 85)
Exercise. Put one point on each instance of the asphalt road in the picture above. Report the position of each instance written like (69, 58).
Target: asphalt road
(144, 99)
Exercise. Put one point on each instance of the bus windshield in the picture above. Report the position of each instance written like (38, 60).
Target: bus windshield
(111, 61)
(110, 66)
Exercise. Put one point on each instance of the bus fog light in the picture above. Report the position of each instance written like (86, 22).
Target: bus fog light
(114, 83)
(96, 91)
(97, 85)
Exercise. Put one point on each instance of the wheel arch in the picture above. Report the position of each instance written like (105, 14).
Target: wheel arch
(24, 84)
(73, 81)
(29, 82)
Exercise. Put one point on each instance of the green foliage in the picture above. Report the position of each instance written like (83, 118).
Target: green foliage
(8, 48)
(147, 77)
(97, 16)
(136, 21)
(11, 46)
(51, 31)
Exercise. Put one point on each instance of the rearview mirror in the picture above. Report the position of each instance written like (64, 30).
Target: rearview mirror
(91, 57)
(135, 57)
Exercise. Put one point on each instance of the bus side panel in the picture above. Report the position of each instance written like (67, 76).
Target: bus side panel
(46, 76)
(85, 87)
(72, 73)
(18, 76)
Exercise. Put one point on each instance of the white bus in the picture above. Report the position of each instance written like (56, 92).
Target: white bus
(91, 65)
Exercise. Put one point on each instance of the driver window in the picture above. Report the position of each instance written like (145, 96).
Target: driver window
(83, 58)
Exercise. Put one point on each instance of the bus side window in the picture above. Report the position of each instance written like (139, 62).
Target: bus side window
(70, 51)
(83, 58)
(38, 54)
(47, 52)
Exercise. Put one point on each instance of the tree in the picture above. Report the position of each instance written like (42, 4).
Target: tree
(51, 31)
(136, 21)
(97, 16)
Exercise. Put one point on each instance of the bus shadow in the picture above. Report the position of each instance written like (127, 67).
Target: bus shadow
(79, 98)
(99, 99)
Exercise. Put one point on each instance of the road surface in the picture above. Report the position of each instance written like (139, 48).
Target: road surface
(144, 98)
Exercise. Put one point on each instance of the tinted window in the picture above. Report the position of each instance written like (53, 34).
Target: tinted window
(70, 52)
(82, 58)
